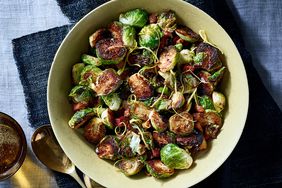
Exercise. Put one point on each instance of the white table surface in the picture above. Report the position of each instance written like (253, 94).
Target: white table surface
(22, 17)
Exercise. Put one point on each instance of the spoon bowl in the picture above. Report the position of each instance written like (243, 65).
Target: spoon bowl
(48, 151)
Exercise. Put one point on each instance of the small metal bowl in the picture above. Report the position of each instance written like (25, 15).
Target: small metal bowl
(7, 122)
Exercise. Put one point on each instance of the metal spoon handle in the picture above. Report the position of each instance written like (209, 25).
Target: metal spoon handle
(77, 178)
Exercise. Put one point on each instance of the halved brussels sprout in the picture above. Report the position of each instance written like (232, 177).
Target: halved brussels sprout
(90, 60)
(156, 121)
(94, 131)
(163, 105)
(158, 169)
(89, 75)
(130, 145)
(175, 157)
(177, 99)
(140, 57)
(137, 18)
(80, 117)
(139, 110)
(189, 83)
(169, 79)
(130, 166)
(81, 94)
(107, 82)
(76, 72)
(107, 117)
(187, 34)
(186, 56)
(163, 138)
(181, 124)
(98, 35)
(206, 87)
(167, 21)
(218, 101)
(211, 60)
(192, 142)
(140, 86)
(108, 148)
(116, 30)
(128, 36)
(168, 59)
(150, 36)
(113, 101)
(110, 51)
(206, 102)
(148, 138)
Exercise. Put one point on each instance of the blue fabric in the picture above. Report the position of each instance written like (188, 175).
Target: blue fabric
(257, 159)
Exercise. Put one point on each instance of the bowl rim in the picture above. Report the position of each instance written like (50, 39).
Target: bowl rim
(246, 106)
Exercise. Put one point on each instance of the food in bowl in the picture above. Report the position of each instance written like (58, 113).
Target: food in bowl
(147, 94)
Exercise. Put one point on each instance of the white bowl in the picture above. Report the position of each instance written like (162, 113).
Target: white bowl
(235, 87)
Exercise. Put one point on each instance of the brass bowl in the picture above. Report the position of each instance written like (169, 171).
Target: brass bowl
(8, 124)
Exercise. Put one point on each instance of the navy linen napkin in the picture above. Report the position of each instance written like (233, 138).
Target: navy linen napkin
(256, 160)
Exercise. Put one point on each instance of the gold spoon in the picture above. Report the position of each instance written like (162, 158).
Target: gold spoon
(48, 151)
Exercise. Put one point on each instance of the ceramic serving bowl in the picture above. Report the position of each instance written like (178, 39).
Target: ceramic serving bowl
(234, 86)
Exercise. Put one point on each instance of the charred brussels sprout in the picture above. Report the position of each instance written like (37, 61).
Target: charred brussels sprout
(130, 145)
(140, 86)
(150, 36)
(163, 138)
(94, 131)
(98, 35)
(178, 100)
(80, 94)
(136, 18)
(80, 117)
(168, 59)
(211, 60)
(108, 118)
(187, 34)
(130, 166)
(90, 60)
(140, 57)
(186, 56)
(158, 169)
(140, 111)
(157, 122)
(107, 82)
(113, 101)
(167, 21)
(108, 148)
(163, 105)
(76, 72)
(218, 101)
(116, 30)
(89, 75)
(175, 157)
(128, 36)
(181, 124)
(110, 51)
(189, 83)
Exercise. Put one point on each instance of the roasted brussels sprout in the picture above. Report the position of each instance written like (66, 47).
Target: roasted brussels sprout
(110, 51)
(113, 101)
(89, 75)
(108, 118)
(186, 56)
(177, 99)
(206, 87)
(163, 105)
(193, 142)
(169, 79)
(211, 56)
(206, 102)
(90, 60)
(98, 35)
(181, 124)
(76, 72)
(187, 34)
(150, 36)
(175, 157)
(218, 101)
(156, 121)
(108, 148)
(168, 59)
(94, 131)
(137, 18)
(158, 169)
(80, 117)
(167, 21)
(130, 145)
(107, 82)
(163, 138)
(140, 57)
(130, 166)
(81, 94)
(128, 36)
(140, 86)
(189, 83)
(148, 139)
(116, 30)
(140, 111)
